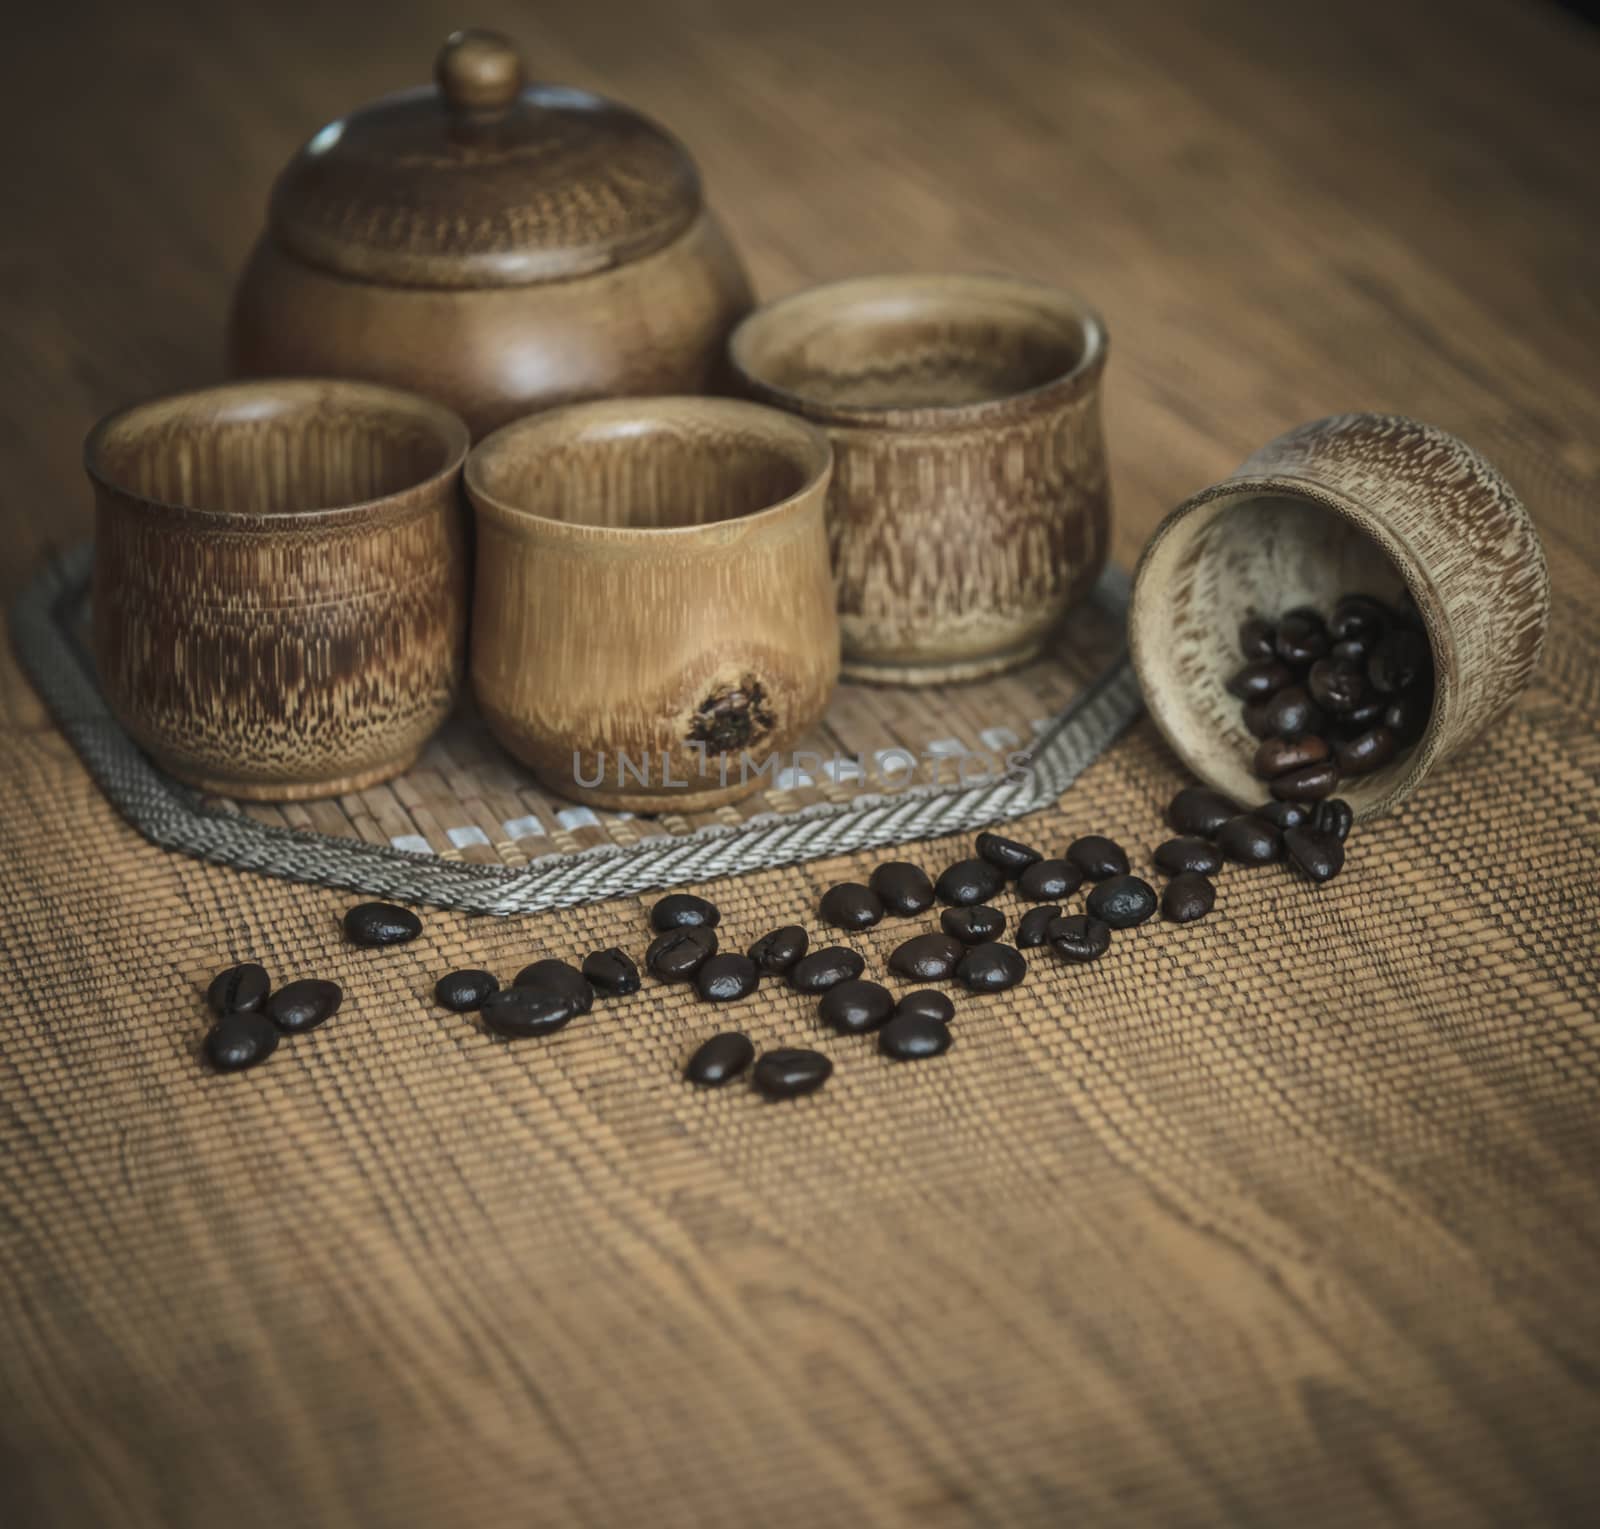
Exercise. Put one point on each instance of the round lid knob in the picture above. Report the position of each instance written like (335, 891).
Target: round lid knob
(479, 73)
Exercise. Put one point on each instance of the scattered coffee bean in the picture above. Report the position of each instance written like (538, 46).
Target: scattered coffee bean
(1301, 637)
(679, 953)
(969, 881)
(1318, 855)
(1333, 817)
(558, 977)
(303, 1005)
(928, 1002)
(1006, 855)
(1187, 897)
(1256, 639)
(240, 1039)
(375, 924)
(825, 968)
(726, 978)
(775, 953)
(991, 968)
(1406, 716)
(1358, 616)
(927, 958)
(1278, 756)
(523, 1012)
(611, 972)
(972, 926)
(464, 990)
(1399, 661)
(1049, 880)
(1032, 925)
(1199, 810)
(1337, 686)
(851, 906)
(1366, 752)
(1122, 902)
(1178, 856)
(1283, 814)
(787, 1073)
(720, 1059)
(902, 888)
(239, 990)
(1255, 682)
(1250, 840)
(1292, 712)
(856, 1007)
(913, 1037)
(1078, 937)
(683, 910)
(1308, 784)
(1098, 857)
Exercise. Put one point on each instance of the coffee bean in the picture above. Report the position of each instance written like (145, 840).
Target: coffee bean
(856, 1007)
(1255, 682)
(1283, 814)
(926, 1001)
(239, 989)
(1401, 659)
(375, 924)
(1178, 856)
(1406, 716)
(1032, 925)
(775, 953)
(464, 990)
(1200, 810)
(913, 1037)
(1318, 855)
(927, 958)
(1187, 897)
(1122, 902)
(679, 953)
(1369, 751)
(1301, 637)
(1098, 857)
(1077, 937)
(1049, 880)
(303, 1005)
(1005, 855)
(787, 1073)
(902, 888)
(240, 1039)
(991, 968)
(1309, 784)
(1358, 616)
(1256, 639)
(851, 906)
(1250, 840)
(969, 881)
(1333, 817)
(726, 978)
(520, 1013)
(1258, 718)
(1277, 756)
(611, 972)
(720, 1059)
(1359, 718)
(1353, 650)
(558, 977)
(1292, 712)
(1337, 686)
(972, 926)
(683, 910)
(825, 968)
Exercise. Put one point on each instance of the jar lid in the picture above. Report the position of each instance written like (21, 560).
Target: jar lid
(481, 181)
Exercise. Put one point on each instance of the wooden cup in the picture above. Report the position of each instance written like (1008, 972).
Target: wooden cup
(970, 505)
(654, 615)
(1360, 503)
(280, 582)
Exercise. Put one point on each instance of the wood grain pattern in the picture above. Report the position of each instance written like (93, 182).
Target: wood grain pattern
(1290, 1217)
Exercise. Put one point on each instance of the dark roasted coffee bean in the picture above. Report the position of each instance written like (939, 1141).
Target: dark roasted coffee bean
(239, 990)
(1079, 937)
(856, 1006)
(1292, 712)
(851, 906)
(825, 968)
(1256, 639)
(240, 1039)
(558, 977)
(463, 991)
(678, 954)
(1178, 856)
(1301, 637)
(1406, 716)
(1368, 714)
(1255, 682)
(926, 1001)
(1333, 817)
(902, 888)
(1369, 751)
(1399, 661)
(374, 924)
(303, 1005)
(1200, 810)
(1032, 925)
(912, 1037)
(683, 910)
(775, 953)
(726, 978)
(1250, 840)
(969, 881)
(1049, 880)
(1005, 855)
(1317, 855)
(1122, 902)
(991, 968)
(1283, 814)
(720, 1059)
(787, 1073)
(1336, 686)
(520, 1013)
(611, 972)
(1353, 650)
(927, 958)
(972, 926)
(1309, 784)
(1358, 616)
(1277, 756)
(1098, 857)
(1187, 897)
(1258, 717)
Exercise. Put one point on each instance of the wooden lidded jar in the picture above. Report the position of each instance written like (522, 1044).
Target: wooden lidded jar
(496, 246)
